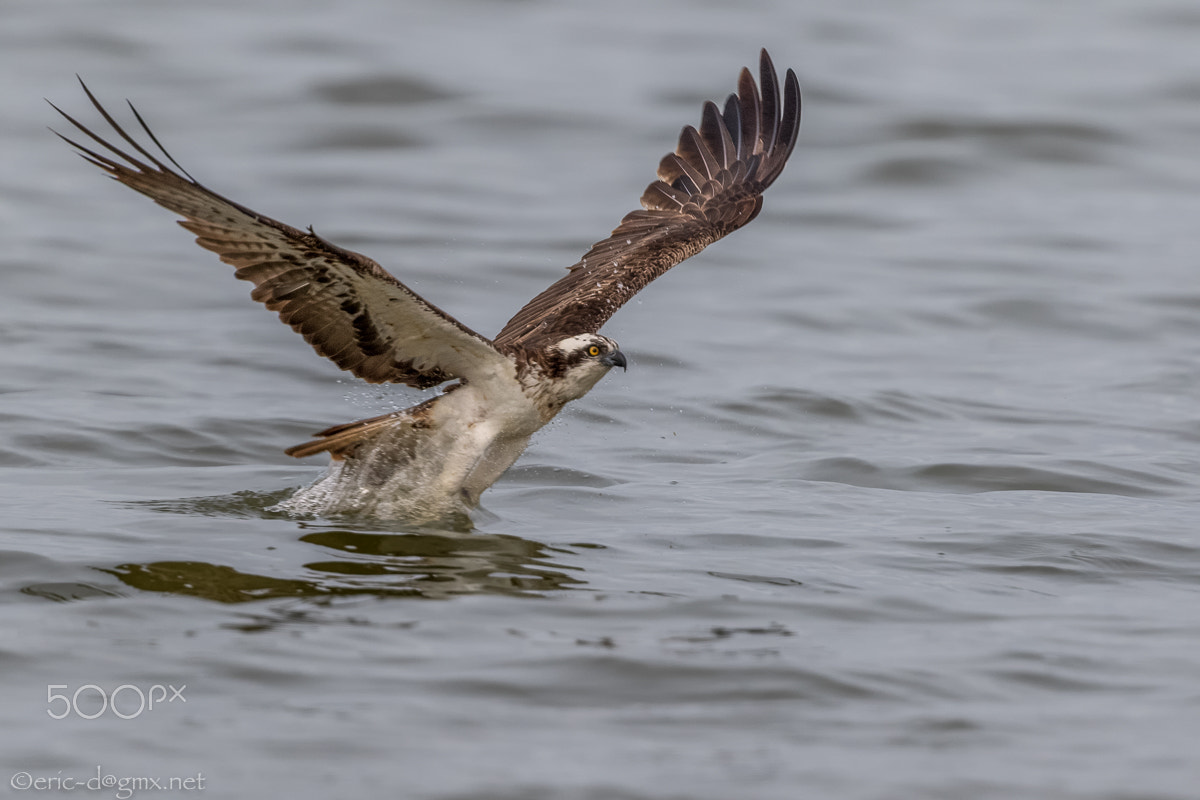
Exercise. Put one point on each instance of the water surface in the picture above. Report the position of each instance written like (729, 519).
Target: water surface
(897, 499)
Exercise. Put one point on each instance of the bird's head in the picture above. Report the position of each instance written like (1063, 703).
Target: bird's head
(580, 361)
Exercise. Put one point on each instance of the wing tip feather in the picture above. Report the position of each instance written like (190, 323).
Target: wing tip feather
(746, 147)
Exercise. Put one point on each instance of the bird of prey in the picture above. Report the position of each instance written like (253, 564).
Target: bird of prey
(435, 459)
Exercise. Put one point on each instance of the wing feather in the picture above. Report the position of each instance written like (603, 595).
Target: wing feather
(345, 305)
(710, 186)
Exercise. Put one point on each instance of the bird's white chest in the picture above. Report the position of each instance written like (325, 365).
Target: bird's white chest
(483, 430)
(488, 411)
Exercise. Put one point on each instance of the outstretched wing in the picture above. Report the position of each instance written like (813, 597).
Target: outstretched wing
(346, 306)
(710, 186)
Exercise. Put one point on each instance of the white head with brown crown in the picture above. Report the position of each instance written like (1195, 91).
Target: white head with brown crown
(567, 369)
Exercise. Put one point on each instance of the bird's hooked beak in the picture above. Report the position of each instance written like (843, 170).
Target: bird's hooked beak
(615, 359)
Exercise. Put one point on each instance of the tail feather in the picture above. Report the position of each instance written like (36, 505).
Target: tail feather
(341, 440)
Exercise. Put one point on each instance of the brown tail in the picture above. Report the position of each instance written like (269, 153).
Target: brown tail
(340, 440)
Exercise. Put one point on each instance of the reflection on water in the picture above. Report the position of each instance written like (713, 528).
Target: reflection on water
(374, 558)
(428, 565)
(442, 563)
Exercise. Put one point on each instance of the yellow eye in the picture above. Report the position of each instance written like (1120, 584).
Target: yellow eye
(593, 351)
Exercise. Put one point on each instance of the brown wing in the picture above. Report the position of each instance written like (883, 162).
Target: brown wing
(346, 306)
(710, 186)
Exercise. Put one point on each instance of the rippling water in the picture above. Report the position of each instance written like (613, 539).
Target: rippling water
(897, 499)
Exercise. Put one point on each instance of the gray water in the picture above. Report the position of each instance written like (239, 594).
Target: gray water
(898, 498)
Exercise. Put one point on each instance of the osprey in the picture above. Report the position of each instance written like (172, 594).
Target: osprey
(436, 458)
